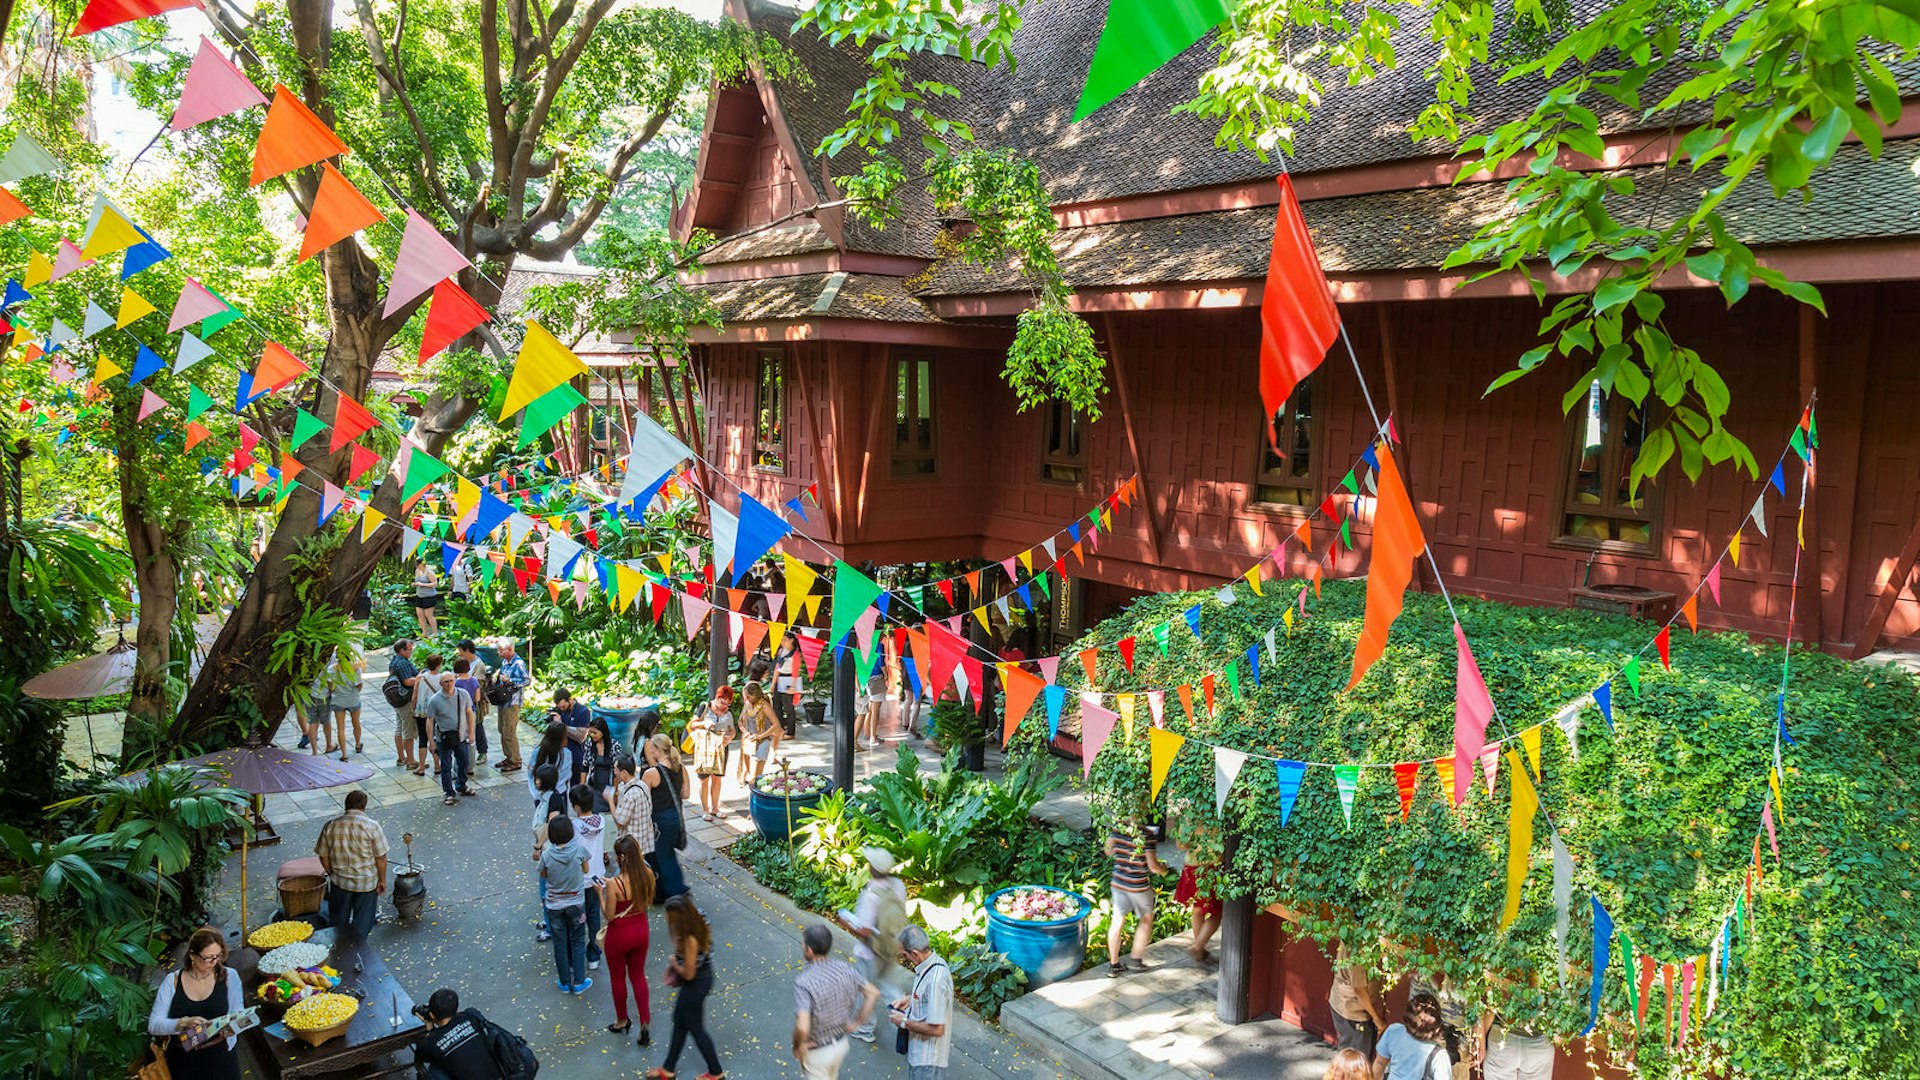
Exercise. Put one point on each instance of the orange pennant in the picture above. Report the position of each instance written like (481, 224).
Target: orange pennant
(1691, 609)
(1022, 688)
(11, 208)
(1088, 658)
(196, 435)
(277, 368)
(1397, 541)
(339, 211)
(292, 138)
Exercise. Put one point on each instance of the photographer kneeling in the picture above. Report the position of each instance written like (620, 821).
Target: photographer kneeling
(461, 1044)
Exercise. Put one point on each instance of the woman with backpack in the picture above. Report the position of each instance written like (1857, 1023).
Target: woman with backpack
(663, 776)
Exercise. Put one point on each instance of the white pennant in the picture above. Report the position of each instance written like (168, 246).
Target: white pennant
(59, 335)
(409, 541)
(726, 531)
(97, 320)
(655, 452)
(1225, 596)
(1759, 514)
(1568, 720)
(561, 551)
(26, 158)
(1273, 654)
(1048, 545)
(1226, 766)
(192, 351)
(518, 526)
(1562, 897)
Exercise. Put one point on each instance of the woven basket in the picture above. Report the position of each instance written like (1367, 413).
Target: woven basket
(301, 895)
(320, 1035)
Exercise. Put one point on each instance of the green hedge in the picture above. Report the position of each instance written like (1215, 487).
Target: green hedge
(1660, 815)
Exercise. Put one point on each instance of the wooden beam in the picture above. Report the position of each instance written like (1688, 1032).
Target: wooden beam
(694, 427)
(1133, 441)
(1846, 377)
(884, 393)
(822, 464)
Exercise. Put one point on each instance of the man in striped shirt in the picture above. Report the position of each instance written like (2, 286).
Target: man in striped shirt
(1134, 862)
(830, 999)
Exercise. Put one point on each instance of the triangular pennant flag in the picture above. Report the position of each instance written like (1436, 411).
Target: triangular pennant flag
(106, 369)
(292, 138)
(488, 515)
(11, 208)
(1397, 541)
(1733, 549)
(214, 88)
(145, 363)
(655, 453)
(1056, 698)
(1603, 697)
(1472, 708)
(1713, 583)
(1140, 36)
(192, 351)
(101, 14)
(693, 612)
(1226, 767)
(1490, 765)
(726, 530)
(363, 459)
(370, 522)
(1096, 725)
(1530, 743)
(547, 410)
(425, 260)
(1759, 513)
(195, 303)
(1192, 615)
(60, 335)
(1631, 669)
(451, 314)
(66, 260)
(339, 211)
(277, 368)
(1298, 320)
(1406, 779)
(410, 541)
(1346, 779)
(853, 594)
(141, 256)
(1125, 645)
(1562, 901)
(350, 420)
(1662, 644)
(1163, 747)
(1519, 835)
(1444, 768)
(196, 435)
(330, 497)
(1022, 687)
(1691, 609)
(759, 529)
(543, 364)
(111, 232)
(25, 157)
(1291, 774)
(1602, 937)
(133, 308)
(150, 403)
(422, 469)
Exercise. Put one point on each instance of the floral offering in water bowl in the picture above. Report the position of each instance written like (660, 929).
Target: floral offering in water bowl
(1043, 930)
(778, 799)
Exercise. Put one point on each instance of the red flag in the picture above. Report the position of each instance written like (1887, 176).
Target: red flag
(350, 420)
(1126, 652)
(946, 589)
(1406, 776)
(1298, 321)
(11, 208)
(450, 315)
(363, 459)
(100, 14)
(1397, 541)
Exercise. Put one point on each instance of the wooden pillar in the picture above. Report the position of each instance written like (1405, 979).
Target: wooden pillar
(1236, 959)
(1816, 601)
(717, 651)
(844, 691)
(1148, 493)
(1403, 453)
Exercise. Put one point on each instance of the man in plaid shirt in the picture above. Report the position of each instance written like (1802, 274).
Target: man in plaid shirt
(353, 852)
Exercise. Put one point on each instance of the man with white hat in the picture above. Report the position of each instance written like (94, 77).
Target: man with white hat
(877, 919)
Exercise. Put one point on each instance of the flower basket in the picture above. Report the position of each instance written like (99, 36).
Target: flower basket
(777, 800)
(1041, 929)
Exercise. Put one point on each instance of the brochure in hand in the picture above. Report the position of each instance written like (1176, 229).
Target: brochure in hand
(221, 1027)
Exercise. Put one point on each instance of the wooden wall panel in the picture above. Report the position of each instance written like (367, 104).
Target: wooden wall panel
(1484, 472)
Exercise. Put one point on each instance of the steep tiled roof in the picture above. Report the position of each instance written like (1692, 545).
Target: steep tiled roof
(875, 297)
(801, 238)
(514, 295)
(1856, 198)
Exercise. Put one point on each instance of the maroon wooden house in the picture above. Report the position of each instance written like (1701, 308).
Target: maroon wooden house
(854, 357)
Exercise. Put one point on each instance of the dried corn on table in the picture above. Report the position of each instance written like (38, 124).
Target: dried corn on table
(371, 1035)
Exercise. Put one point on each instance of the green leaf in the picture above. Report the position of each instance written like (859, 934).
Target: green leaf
(1804, 293)
(1707, 265)
(1825, 137)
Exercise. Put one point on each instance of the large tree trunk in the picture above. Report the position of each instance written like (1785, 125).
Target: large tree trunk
(156, 572)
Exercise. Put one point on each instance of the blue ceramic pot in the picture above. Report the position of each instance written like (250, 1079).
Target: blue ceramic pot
(777, 816)
(1046, 951)
(620, 723)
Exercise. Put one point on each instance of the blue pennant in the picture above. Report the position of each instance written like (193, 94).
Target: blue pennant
(1603, 697)
(1291, 773)
(759, 529)
(16, 294)
(1025, 593)
(141, 256)
(1056, 697)
(1253, 661)
(1193, 619)
(1602, 943)
(448, 556)
(487, 516)
(145, 363)
(882, 602)
(1778, 479)
(798, 505)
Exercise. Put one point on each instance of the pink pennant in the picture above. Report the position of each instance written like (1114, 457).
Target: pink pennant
(1713, 583)
(1049, 668)
(1472, 709)
(1096, 724)
(694, 612)
(214, 88)
(863, 628)
(1157, 705)
(736, 626)
(195, 304)
(150, 403)
(67, 259)
(1008, 565)
(1490, 766)
(1766, 818)
(580, 589)
(775, 602)
(425, 260)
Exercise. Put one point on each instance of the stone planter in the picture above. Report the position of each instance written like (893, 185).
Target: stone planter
(777, 816)
(1046, 951)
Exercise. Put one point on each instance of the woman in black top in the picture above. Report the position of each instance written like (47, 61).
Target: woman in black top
(597, 754)
(662, 777)
(205, 990)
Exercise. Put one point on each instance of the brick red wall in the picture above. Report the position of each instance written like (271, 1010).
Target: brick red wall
(1485, 474)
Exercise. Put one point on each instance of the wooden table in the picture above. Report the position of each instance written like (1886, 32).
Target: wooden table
(371, 1034)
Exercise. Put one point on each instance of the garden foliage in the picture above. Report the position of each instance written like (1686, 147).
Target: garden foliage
(1659, 812)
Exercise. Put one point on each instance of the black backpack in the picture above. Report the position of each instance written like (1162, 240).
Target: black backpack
(498, 691)
(510, 1053)
(396, 692)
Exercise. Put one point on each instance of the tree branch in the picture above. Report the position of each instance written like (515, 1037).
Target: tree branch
(387, 66)
(553, 79)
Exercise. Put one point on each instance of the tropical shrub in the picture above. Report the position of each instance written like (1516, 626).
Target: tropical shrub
(1659, 809)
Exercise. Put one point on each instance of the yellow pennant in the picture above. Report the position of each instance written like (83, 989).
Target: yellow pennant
(466, 496)
(1733, 547)
(1779, 808)
(666, 562)
(1253, 578)
(980, 616)
(1803, 528)
(1164, 747)
(800, 578)
(133, 308)
(543, 364)
(775, 630)
(1026, 560)
(112, 233)
(1530, 742)
(370, 521)
(1287, 617)
(1519, 835)
(627, 582)
(39, 270)
(105, 370)
(813, 608)
(1126, 716)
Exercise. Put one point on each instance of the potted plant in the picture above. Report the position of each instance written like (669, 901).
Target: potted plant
(1041, 929)
(778, 798)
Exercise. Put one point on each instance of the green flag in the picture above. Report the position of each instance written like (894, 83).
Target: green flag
(214, 322)
(197, 402)
(547, 410)
(305, 425)
(1633, 674)
(422, 469)
(1139, 37)
(853, 593)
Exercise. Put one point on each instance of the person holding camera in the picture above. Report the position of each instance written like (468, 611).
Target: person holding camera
(461, 1044)
(575, 717)
(924, 1018)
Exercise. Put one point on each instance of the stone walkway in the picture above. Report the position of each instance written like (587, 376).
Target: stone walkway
(1158, 1024)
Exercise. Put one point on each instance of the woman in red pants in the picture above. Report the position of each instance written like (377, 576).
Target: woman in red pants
(625, 897)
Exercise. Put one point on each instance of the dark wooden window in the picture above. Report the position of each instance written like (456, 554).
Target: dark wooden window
(1063, 454)
(1601, 508)
(770, 413)
(913, 436)
(1288, 480)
